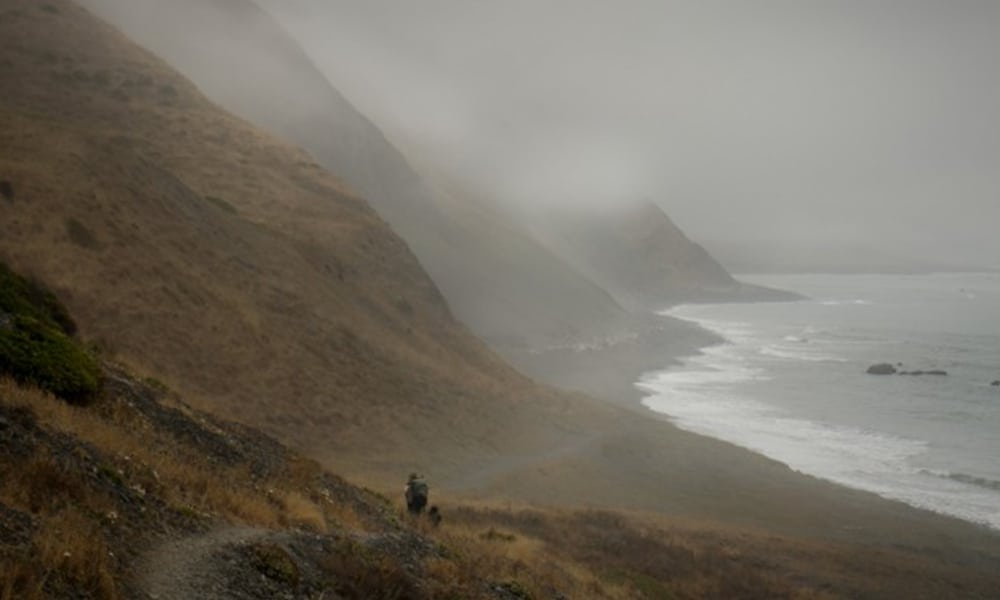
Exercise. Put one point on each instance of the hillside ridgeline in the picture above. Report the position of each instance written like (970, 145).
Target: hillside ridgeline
(135, 494)
(230, 264)
(195, 249)
(498, 280)
(644, 260)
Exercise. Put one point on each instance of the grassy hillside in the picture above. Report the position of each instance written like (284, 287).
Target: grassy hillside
(194, 249)
(110, 501)
(644, 259)
(498, 280)
(225, 262)
(138, 495)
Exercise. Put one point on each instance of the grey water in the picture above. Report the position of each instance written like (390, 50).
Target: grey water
(790, 383)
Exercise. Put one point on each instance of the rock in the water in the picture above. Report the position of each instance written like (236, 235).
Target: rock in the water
(996, 383)
(933, 372)
(881, 369)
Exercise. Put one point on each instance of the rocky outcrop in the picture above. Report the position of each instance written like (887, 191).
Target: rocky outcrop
(996, 383)
(881, 369)
(889, 369)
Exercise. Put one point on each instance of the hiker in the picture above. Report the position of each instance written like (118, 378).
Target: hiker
(416, 494)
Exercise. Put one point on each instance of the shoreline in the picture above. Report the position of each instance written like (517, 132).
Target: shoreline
(907, 495)
(648, 463)
(918, 472)
(609, 372)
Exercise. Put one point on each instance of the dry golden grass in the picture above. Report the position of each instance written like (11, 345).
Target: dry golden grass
(532, 553)
(76, 513)
(178, 474)
(212, 492)
(154, 214)
(66, 547)
(185, 479)
(342, 516)
(299, 511)
(593, 554)
(517, 561)
(486, 550)
(294, 293)
(601, 554)
(71, 545)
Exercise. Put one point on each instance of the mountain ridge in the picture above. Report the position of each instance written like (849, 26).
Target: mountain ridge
(183, 222)
(512, 290)
(644, 259)
(202, 252)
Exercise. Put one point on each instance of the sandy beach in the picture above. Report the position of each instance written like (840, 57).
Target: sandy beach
(640, 461)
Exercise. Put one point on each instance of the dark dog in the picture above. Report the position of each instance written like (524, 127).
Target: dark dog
(434, 515)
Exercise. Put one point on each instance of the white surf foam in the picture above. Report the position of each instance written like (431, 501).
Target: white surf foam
(711, 394)
(797, 352)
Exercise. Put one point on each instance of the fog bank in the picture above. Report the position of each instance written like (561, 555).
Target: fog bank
(779, 126)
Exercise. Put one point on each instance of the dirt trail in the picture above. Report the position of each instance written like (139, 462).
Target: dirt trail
(245, 563)
(193, 567)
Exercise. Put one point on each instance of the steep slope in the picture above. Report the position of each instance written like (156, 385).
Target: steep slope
(208, 255)
(140, 496)
(508, 288)
(131, 493)
(227, 262)
(512, 290)
(643, 258)
(190, 506)
(243, 60)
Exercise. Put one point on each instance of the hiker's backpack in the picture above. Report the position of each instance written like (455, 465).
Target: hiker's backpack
(418, 489)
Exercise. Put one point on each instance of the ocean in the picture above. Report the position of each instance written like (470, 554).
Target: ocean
(790, 383)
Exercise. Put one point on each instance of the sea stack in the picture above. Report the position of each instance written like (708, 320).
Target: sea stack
(881, 369)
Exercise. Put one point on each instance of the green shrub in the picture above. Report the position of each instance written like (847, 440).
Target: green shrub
(20, 296)
(36, 353)
(36, 346)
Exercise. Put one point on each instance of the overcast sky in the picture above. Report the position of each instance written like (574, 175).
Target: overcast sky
(786, 123)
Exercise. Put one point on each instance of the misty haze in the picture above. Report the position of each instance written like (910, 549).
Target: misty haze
(848, 135)
(369, 299)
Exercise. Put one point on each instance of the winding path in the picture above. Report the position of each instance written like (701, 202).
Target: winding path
(192, 567)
